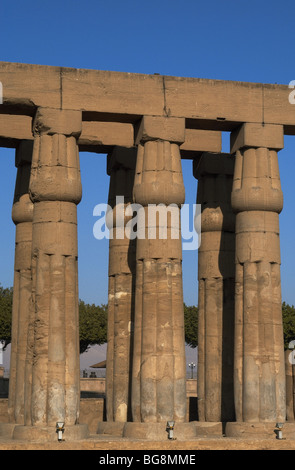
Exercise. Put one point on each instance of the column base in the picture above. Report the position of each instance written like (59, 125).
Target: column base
(209, 428)
(48, 433)
(7, 429)
(266, 430)
(110, 428)
(158, 431)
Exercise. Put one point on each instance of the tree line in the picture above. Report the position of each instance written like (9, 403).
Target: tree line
(93, 322)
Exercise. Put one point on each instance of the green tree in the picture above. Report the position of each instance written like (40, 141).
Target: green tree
(93, 325)
(191, 325)
(288, 323)
(5, 314)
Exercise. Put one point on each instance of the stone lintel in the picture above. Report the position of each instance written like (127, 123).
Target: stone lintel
(57, 121)
(199, 140)
(224, 104)
(99, 133)
(101, 136)
(121, 157)
(170, 129)
(213, 164)
(14, 128)
(24, 152)
(257, 135)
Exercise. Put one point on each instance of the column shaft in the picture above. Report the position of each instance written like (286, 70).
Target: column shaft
(159, 372)
(121, 167)
(259, 349)
(22, 215)
(216, 275)
(55, 189)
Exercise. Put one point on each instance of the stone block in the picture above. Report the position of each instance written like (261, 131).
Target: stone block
(160, 128)
(257, 135)
(258, 430)
(48, 433)
(158, 431)
(97, 135)
(199, 140)
(91, 412)
(57, 121)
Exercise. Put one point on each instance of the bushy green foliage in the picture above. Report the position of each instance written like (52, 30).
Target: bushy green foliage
(288, 323)
(191, 325)
(93, 325)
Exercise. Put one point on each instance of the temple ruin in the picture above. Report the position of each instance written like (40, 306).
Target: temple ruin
(146, 124)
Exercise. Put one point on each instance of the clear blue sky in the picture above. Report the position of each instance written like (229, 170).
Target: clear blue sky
(230, 40)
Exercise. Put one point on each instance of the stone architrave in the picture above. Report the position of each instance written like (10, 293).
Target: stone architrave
(55, 190)
(122, 263)
(257, 200)
(216, 277)
(159, 371)
(22, 216)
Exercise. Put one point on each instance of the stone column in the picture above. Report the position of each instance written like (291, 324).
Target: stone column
(159, 371)
(122, 263)
(290, 385)
(216, 276)
(257, 200)
(22, 216)
(55, 189)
